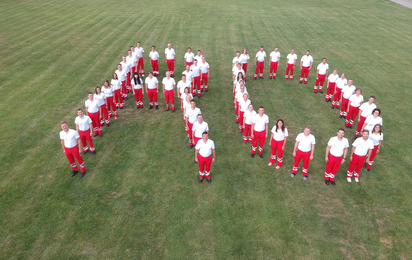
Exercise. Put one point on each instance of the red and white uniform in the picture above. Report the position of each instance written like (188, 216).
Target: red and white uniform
(336, 151)
(235, 59)
(169, 84)
(198, 130)
(205, 157)
(366, 109)
(370, 122)
(71, 150)
(121, 76)
(236, 70)
(340, 84)
(355, 102)
(331, 86)
(182, 85)
(109, 92)
(242, 107)
(237, 88)
(259, 132)
(101, 101)
(376, 139)
(276, 144)
(93, 113)
(154, 60)
(126, 66)
(347, 92)
(138, 92)
(152, 90)
(196, 74)
(140, 65)
(306, 60)
(274, 56)
(244, 59)
(118, 99)
(191, 115)
(322, 69)
(291, 58)
(362, 148)
(170, 60)
(247, 132)
(189, 77)
(204, 68)
(84, 132)
(198, 58)
(303, 152)
(238, 97)
(260, 63)
(132, 63)
(189, 57)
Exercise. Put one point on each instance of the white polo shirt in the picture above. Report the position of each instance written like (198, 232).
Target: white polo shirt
(125, 66)
(115, 83)
(198, 58)
(84, 123)
(306, 60)
(323, 68)
(260, 122)
(367, 109)
(333, 78)
(237, 70)
(108, 92)
(375, 138)
(191, 114)
(237, 88)
(139, 51)
(151, 83)
(355, 101)
(249, 116)
(239, 95)
(189, 57)
(135, 55)
(244, 105)
(184, 95)
(154, 55)
(275, 55)
(100, 99)
(305, 142)
(137, 85)
(195, 69)
(337, 147)
(348, 91)
(182, 85)
(204, 67)
(92, 106)
(121, 75)
(189, 76)
(362, 147)
(260, 55)
(131, 60)
(370, 122)
(170, 54)
(292, 58)
(70, 138)
(169, 83)
(279, 135)
(236, 59)
(205, 149)
(200, 128)
(340, 83)
(244, 58)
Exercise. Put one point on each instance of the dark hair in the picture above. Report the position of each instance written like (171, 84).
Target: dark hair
(283, 125)
(364, 130)
(153, 46)
(89, 93)
(205, 133)
(116, 76)
(380, 130)
(192, 101)
(372, 97)
(189, 48)
(341, 129)
(79, 109)
(376, 109)
(95, 89)
(136, 80)
(238, 76)
(106, 81)
(261, 107)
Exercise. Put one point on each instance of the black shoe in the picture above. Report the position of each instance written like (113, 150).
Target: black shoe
(201, 180)
(82, 174)
(333, 183)
(305, 83)
(300, 82)
(255, 78)
(150, 107)
(201, 90)
(191, 146)
(316, 92)
(261, 156)
(73, 173)
(137, 107)
(95, 135)
(321, 92)
(209, 180)
(94, 153)
(261, 77)
(121, 107)
(354, 138)
(333, 107)
(107, 125)
(274, 78)
(195, 162)
(157, 107)
(167, 110)
(237, 122)
(101, 135)
(350, 127)
(173, 111)
(84, 152)
(368, 170)
(252, 155)
(340, 116)
(346, 126)
(206, 90)
(198, 96)
(327, 182)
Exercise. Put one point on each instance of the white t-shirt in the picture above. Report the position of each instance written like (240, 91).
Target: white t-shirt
(260, 55)
(138, 85)
(322, 68)
(370, 122)
(244, 58)
(249, 116)
(168, 83)
(340, 83)
(184, 95)
(115, 84)
(92, 106)
(135, 55)
(204, 67)
(348, 91)
(367, 109)
(362, 147)
(237, 70)
(108, 92)
(337, 147)
(131, 60)
(200, 128)
(275, 56)
(279, 135)
(375, 138)
(170, 54)
(84, 123)
(100, 99)
(139, 51)
(355, 101)
(244, 105)
(236, 59)
(125, 66)
(198, 58)
(182, 85)
(205, 149)
(237, 88)
(292, 58)
(151, 83)
(154, 55)
(305, 142)
(333, 78)
(121, 75)
(306, 60)
(70, 138)
(189, 57)
(195, 69)
(189, 76)
(191, 114)
(239, 95)
(260, 122)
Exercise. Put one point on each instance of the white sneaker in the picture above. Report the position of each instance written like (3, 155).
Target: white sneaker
(115, 117)
(277, 167)
(357, 179)
(270, 164)
(305, 178)
(349, 179)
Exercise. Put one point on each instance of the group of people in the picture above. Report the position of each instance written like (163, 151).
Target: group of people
(368, 136)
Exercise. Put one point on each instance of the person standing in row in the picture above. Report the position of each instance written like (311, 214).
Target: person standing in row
(132, 65)
(331, 85)
(260, 130)
(244, 60)
(140, 52)
(304, 149)
(109, 92)
(376, 136)
(199, 56)
(242, 107)
(152, 89)
(189, 77)
(340, 84)
(102, 102)
(197, 77)
(247, 124)
(361, 151)
(168, 90)
(365, 110)
(137, 88)
(277, 142)
(306, 63)
(83, 127)
(321, 72)
(260, 62)
(353, 107)
(182, 85)
(372, 120)
(290, 64)
(191, 118)
(170, 59)
(136, 59)
(70, 141)
(154, 60)
(198, 129)
(236, 70)
(274, 63)
(238, 98)
(93, 111)
(345, 95)
(118, 94)
(127, 67)
(236, 59)
(203, 154)
(189, 57)
(337, 147)
(184, 101)
(204, 68)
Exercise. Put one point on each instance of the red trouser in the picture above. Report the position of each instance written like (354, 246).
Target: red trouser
(273, 68)
(240, 120)
(138, 95)
(189, 63)
(336, 96)
(128, 81)
(196, 85)
(189, 132)
(291, 68)
(204, 80)
(258, 137)
(353, 112)
(196, 139)
(140, 66)
(319, 82)
(304, 74)
(332, 166)
(73, 153)
(202, 163)
(247, 133)
(344, 107)
(329, 91)
(110, 104)
(259, 68)
(170, 95)
(299, 156)
(356, 164)
(359, 126)
(118, 99)
(124, 90)
(244, 67)
(171, 67)
(236, 110)
(152, 94)
(105, 114)
(155, 67)
(373, 155)
(85, 136)
(97, 128)
(277, 145)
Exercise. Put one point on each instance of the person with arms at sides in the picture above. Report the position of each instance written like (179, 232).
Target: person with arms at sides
(197, 77)
(182, 85)
(102, 102)
(109, 92)
(204, 68)
(191, 118)
(199, 128)
(260, 62)
(260, 130)
(183, 100)
(365, 110)
(236, 70)
(189, 57)
(236, 59)
(154, 60)
(345, 95)
(136, 59)
(239, 97)
(137, 88)
(274, 58)
(118, 94)
(247, 124)
(140, 53)
(189, 78)
(152, 89)
(243, 105)
(121, 77)
(70, 141)
(304, 149)
(132, 65)
(205, 148)
(331, 85)
(277, 142)
(290, 64)
(361, 151)
(244, 60)
(199, 56)
(127, 67)
(337, 147)
(321, 71)
(372, 120)
(306, 63)
(186, 107)
(376, 136)
(93, 111)
(353, 107)
(83, 127)
(168, 90)
(340, 84)
(170, 59)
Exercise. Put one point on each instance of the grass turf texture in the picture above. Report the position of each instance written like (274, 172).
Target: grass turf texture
(140, 198)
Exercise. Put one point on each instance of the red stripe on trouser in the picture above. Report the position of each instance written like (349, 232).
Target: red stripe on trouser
(204, 80)
(128, 81)
(373, 155)
(236, 111)
(332, 166)
(190, 133)
(299, 156)
(155, 67)
(196, 139)
(140, 66)
(241, 120)
(244, 66)
(304, 74)
(336, 97)
(85, 136)
(202, 163)
(73, 153)
(111, 104)
(196, 85)
(152, 94)
(277, 146)
(138, 96)
(258, 137)
(273, 68)
(320, 80)
(124, 90)
(290, 68)
(259, 68)
(170, 95)
(359, 126)
(105, 114)
(329, 90)
(171, 66)
(344, 107)
(95, 122)
(353, 112)
(247, 133)
(118, 98)
(356, 164)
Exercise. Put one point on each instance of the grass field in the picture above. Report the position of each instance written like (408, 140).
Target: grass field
(140, 198)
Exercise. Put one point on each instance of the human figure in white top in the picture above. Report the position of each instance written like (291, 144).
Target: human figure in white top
(304, 149)
(244, 60)
(365, 110)
(331, 85)
(85, 129)
(372, 120)
(243, 106)
(110, 92)
(137, 88)
(277, 142)
(102, 102)
(93, 111)
(170, 59)
(199, 128)
(189, 57)
(346, 93)
(376, 136)
(197, 78)
(290, 64)
(274, 58)
(260, 130)
(152, 89)
(340, 84)
(260, 62)
(305, 66)
(190, 118)
(336, 149)
(140, 66)
(205, 149)
(204, 67)
(321, 72)
(168, 90)
(136, 59)
(247, 124)
(236, 59)
(353, 107)
(361, 151)
(199, 56)
(154, 60)
(70, 141)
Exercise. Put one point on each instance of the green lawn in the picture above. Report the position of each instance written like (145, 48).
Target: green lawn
(140, 198)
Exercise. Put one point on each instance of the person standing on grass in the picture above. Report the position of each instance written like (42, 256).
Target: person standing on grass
(260, 131)
(204, 67)
(337, 147)
(191, 118)
(168, 90)
(205, 148)
(83, 127)
(93, 111)
(290, 64)
(331, 85)
(321, 71)
(345, 95)
(182, 85)
(140, 53)
(236, 70)
(239, 97)
(376, 136)
(189, 77)
(189, 57)
(274, 63)
(154, 60)
(127, 67)
(353, 107)
(199, 56)
(365, 110)
(243, 105)
(306, 63)
(170, 59)
(244, 60)
(304, 149)
(340, 84)
(137, 88)
(70, 141)
(372, 120)
(236, 59)
(132, 65)
(361, 151)
(152, 89)
(136, 59)
(197, 78)
(247, 124)
(199, 128)
(260, 62)
(121, 77)
(277, 142)
(109, 92)
(102, 102)
(118, 94)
